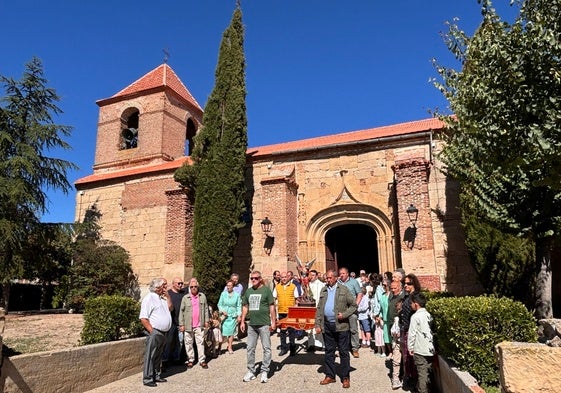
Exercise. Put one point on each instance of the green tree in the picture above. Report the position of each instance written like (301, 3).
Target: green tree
(504, 142)
(219, 157)
(99, 267)
(27, 135)
(46, 256)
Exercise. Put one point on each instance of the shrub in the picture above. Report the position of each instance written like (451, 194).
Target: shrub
(109, 318)
(467, 329)
(433, 295)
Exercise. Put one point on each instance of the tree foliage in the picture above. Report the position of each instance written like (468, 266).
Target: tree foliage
(504, 262)
(217, 175)
(504, 142)
(27, 135)
(99, 267)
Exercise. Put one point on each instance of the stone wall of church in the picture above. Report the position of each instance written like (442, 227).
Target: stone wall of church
(134, 214)
(451, 258)
(304, 194)
(333, 180)
(321, 178)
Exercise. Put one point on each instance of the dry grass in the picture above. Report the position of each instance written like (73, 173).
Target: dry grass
(41, 332)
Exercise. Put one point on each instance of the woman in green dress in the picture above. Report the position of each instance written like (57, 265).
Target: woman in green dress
(230, 308)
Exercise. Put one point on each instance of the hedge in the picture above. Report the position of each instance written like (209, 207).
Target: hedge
(109, 318)
(466, 330)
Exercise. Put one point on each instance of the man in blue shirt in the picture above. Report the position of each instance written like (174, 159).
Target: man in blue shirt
(336, 304)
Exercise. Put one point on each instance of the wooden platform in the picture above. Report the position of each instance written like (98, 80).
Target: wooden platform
(301, 318)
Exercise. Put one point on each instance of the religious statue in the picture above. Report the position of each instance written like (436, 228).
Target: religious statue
(307, 298)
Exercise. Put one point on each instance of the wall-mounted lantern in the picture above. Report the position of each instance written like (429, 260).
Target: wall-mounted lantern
(266, 225)
(413, 214)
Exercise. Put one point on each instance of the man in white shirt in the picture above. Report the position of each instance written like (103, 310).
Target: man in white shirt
(315, 340)
(156, 318)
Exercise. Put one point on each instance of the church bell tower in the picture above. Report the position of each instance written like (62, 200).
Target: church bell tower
(151, 121)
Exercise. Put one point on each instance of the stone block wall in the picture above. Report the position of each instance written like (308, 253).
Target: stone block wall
(528, 368)
(73, 370)
(135, 214)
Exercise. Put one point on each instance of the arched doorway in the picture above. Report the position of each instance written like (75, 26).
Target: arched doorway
(353, 246)
(353, 229)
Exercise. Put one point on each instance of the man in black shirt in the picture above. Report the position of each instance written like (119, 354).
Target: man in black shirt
(174, 339)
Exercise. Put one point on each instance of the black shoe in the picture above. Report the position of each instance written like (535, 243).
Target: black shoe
(283, 352)
(160, 380)
(151, 384)
(311, 349)
(292, 350)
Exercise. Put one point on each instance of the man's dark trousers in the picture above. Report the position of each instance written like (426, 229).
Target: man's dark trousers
(155, 344)
(334, 339)
(291, 337)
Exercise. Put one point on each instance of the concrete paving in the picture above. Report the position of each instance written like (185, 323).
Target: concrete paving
(299, 373)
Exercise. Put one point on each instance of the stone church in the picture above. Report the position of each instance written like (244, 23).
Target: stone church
(372, 200)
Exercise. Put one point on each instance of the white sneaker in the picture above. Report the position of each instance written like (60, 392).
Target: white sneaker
(264, 378)
(248, 376)
(396, 384)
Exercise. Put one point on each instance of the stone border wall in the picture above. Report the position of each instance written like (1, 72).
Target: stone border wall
(84, 368)
(72, 370)
(450, 379)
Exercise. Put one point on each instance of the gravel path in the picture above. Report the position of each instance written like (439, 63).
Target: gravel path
(300, 373)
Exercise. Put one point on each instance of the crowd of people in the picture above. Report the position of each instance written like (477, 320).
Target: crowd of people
(382, 315)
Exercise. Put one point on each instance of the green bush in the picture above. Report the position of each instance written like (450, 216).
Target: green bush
(109, 318)
(466, 330)
(433, 295)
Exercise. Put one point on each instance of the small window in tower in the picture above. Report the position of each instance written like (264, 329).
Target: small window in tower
(129, 129)
(190, 134)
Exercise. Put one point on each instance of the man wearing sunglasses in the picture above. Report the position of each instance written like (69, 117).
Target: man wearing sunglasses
(258, 304)
(174, 343)
(193, 320)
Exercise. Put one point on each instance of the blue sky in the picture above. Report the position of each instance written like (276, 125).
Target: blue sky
(314, 67)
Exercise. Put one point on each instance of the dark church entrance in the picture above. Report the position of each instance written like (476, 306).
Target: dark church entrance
(353, 246)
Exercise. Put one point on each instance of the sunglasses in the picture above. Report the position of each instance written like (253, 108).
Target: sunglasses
(254, 278)
(179, 283)
(194, 286)
(408, 283)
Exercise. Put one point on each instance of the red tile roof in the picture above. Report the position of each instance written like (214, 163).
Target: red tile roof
(141, 170)
(349, 137)
(303, 144)
(161, 76)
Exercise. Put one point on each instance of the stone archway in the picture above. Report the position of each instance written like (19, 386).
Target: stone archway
(314, 245)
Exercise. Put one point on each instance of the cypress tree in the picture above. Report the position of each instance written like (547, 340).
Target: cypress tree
(217, 173)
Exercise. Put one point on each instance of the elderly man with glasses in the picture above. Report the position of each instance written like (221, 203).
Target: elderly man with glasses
(258, 304)
(193, 319)
(156, 319)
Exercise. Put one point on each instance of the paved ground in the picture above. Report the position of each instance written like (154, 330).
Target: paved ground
(300, 373)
